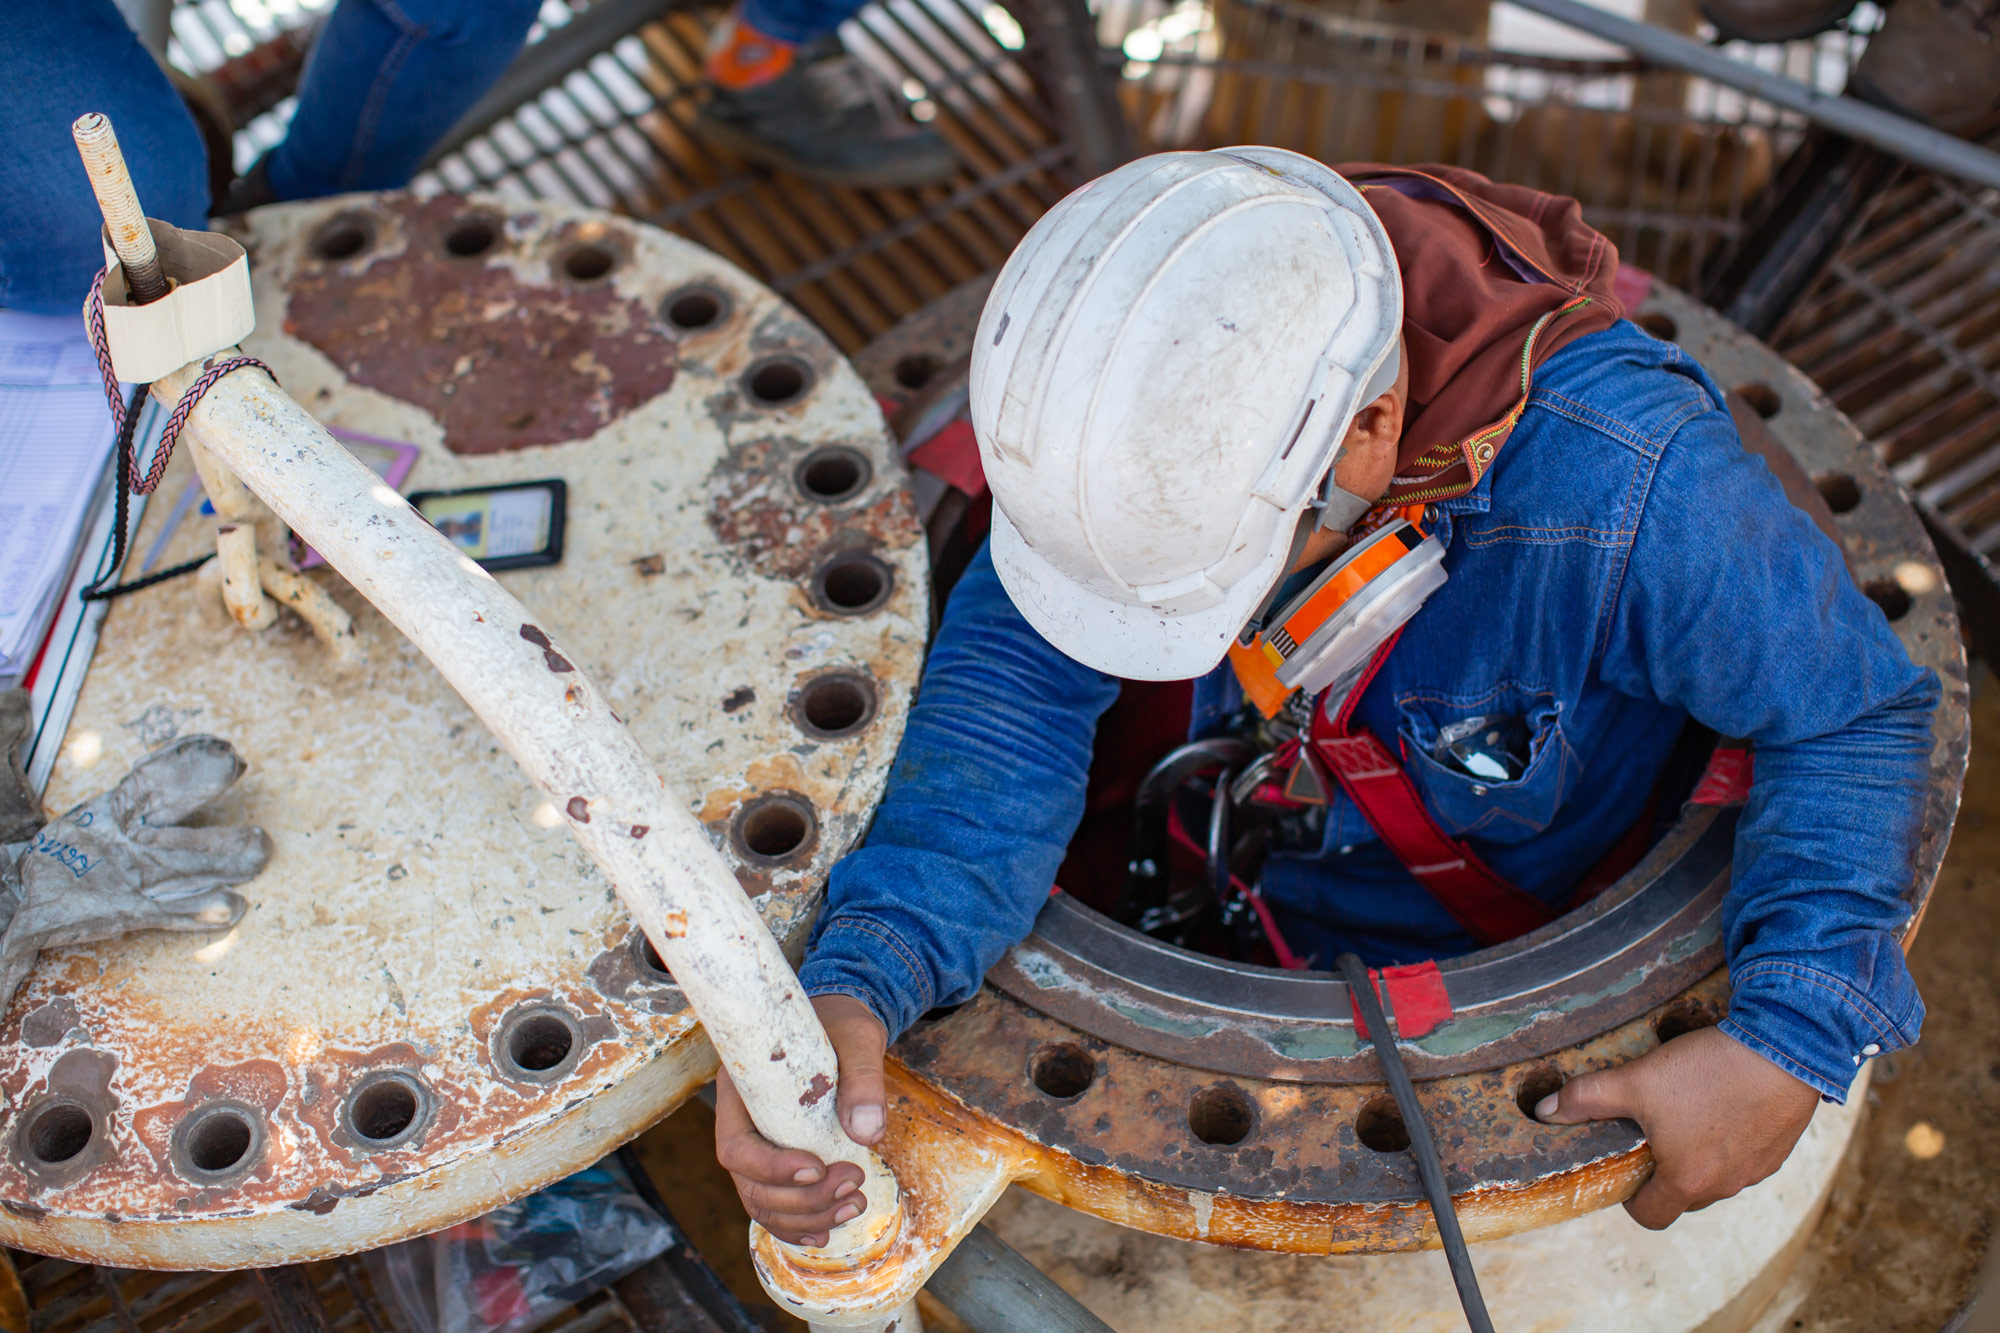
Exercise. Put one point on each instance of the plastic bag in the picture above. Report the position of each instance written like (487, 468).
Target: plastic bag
(511, 1269)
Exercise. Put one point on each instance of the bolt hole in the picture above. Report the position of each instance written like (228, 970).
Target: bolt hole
(59, 1133)
(219, 1141)
(540, 1042)
(650, 961)
(471, 237)
(1681, 1020)
(1657, 324)
(1221, 1115)
(1538, 1084)
(775, 828)
(835, 705)
(694, 308)
(834, 474)
(852, 584)
(1763, 399)
(1066, 1071)
(588, 262)
(343, 238)
(915, 370)
(1890, 596)
(1380, 1126)
(1841, 492)
(777, 380)
(383, 1110)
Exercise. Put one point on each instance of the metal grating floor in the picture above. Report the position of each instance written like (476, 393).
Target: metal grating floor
(1902, 330)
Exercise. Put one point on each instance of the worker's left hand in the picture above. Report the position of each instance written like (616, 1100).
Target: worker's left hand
(1718, 1117)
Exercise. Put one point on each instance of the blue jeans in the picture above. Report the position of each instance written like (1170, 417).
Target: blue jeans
(386, 80)
(798, 21)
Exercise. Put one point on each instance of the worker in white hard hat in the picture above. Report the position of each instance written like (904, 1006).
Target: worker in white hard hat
(1459, 561)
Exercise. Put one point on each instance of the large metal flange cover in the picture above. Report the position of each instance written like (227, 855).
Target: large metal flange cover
(435, 1003)
(1198, 1098)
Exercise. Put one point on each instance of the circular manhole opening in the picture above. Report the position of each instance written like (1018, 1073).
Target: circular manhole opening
(852, 583)
(777, 380)
(834, 705)
(833, 474)
(1221, 1115)
(343, 237)
(695, 308)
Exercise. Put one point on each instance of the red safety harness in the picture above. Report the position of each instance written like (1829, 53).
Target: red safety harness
(1490, 908)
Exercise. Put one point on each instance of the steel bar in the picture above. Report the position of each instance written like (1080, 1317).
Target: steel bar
(990, 1287)
(124, 220)
(1429, 1166)
(1896, 134)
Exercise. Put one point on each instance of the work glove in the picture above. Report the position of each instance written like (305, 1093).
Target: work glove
(20, 812)
(120, 862)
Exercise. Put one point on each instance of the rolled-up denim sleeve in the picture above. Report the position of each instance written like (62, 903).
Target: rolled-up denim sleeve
(987, 789)
(1735, 607)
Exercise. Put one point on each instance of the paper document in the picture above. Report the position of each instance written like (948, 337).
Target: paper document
(55, 445)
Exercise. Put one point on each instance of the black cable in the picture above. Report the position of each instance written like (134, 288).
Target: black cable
(97, 592)
(1430, 1168)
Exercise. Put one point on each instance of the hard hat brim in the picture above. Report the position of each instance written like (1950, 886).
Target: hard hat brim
(1118, 638)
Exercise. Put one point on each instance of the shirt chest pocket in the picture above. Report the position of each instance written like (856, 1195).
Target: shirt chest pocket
(1513, 765)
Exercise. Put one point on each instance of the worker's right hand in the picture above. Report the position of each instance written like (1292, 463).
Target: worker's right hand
(791, 1192)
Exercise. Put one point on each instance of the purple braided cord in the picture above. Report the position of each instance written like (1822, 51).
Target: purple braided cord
(93, 318)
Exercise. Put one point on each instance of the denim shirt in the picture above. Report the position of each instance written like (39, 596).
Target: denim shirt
(1625, 565)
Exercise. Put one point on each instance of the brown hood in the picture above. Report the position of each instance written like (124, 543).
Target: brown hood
(1496, 278)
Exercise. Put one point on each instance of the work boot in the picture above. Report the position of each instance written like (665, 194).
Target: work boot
(1936, 61)
(815, 111)
(1773, 20)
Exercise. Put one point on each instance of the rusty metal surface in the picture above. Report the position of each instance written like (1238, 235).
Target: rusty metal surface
(1149, 1085)
(435, 1003)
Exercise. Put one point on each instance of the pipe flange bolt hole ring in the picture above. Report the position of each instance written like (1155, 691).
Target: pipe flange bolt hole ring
(473, 234)
(387, 1109)
(779, 828)
(852, 583)
(538, 1043)
(777, 381)
(699, 307)
(59, 1138)
(344, 237)
(834, 705)
(833, 475)
(218, 1143)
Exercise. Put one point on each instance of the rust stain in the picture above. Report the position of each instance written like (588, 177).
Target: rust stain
(579, 809)
(776, 532)
(650, 566)
(816, 1090)
(502, 362)
(533, 634)
(49, 1023)
(641, 830)
(739, 698)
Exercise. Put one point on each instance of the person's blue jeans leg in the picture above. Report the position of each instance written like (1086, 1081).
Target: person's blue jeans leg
(59, 59)
(798, 21)
(385, 81)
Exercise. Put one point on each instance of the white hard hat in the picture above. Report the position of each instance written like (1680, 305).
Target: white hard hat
(1161, 382)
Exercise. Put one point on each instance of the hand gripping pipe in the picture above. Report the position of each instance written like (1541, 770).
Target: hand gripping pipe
(558, 726)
